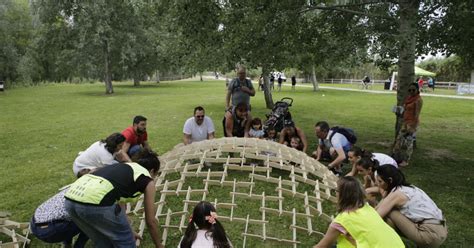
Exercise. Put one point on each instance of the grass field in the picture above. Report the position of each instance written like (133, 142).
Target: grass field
(43, 128)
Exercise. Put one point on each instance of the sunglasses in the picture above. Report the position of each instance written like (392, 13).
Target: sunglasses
(199, 116)
(411, 90)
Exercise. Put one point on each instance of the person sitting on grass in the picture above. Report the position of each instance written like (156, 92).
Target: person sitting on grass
(357, 224)
(256, 130)
(96, 201)
(409, 209)
(52, 224)
(136, 137)
(198, 128)
(99, 154)
(204, 229)
(290, 130)
(237, 121)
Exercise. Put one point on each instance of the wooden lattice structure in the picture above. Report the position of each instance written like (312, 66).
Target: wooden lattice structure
(215, 161)
(12, 229)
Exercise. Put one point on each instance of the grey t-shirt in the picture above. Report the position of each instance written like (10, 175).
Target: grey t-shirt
(238, 95)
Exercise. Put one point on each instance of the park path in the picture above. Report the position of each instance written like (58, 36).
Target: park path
(366, 91)
(389, 92)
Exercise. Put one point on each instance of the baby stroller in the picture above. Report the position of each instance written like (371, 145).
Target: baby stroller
(280, 115)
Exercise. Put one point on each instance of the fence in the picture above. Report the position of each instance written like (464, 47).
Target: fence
(444, 85)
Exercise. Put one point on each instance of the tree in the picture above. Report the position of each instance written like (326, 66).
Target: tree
(16, 34)
(113, 38)
(197, 26)
(451, 31)
(260, 34)
(329, 39)
(394, 29)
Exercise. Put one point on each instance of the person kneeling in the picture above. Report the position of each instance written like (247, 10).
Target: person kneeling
(52, 224)
(409, 209)
(357, 224)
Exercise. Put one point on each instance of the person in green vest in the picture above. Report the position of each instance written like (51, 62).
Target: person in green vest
(357, 224)
(96, 201)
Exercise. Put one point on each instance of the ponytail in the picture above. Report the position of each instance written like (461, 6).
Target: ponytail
(189, 235)
(359, 152)
(368, 163)
(219, 236)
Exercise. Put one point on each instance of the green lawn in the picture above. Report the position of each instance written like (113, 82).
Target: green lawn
(43, 128)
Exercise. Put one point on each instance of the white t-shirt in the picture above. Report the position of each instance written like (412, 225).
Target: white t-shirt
(94, 157)
(384, 159)
(198, 132)
(203, 239)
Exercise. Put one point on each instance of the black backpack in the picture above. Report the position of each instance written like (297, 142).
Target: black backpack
(347, 132)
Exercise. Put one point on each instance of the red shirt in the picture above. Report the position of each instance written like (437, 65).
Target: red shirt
(133, 138)
(420, 83)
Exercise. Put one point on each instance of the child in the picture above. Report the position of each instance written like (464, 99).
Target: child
(204, 230)
(296, 143)
(357, 223)
(271, 134)
(256, 130)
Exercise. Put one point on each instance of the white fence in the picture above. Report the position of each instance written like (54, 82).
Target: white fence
(444, 85)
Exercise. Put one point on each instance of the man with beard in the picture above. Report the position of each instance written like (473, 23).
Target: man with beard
(136, 137)
(197, 128)
(237, 121)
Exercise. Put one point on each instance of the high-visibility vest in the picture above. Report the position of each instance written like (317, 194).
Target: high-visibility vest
(91, 189)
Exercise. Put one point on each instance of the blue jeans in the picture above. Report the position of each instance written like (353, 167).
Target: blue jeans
(58, 231)
(134, 149)
(107, 226)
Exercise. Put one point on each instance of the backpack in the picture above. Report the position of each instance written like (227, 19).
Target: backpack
(237, 85)
(347, 132)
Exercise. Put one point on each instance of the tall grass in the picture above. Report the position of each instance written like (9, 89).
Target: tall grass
(43, 128)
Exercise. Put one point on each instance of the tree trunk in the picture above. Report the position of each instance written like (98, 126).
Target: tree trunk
(109, 89)
(267, 92)
(472, 77)
(406, 61)
(136, 80)
(200, 76)
(315, 83)
(157, 76)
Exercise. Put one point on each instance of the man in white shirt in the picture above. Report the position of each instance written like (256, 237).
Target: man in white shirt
(197, 128)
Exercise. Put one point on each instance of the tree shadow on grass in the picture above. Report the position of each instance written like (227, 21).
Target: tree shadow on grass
(115, 94)
(141, 86)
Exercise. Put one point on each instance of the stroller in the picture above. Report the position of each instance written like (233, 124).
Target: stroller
(280, 115)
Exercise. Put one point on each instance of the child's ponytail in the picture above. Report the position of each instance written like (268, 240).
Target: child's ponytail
(219, 236)
(189, 235)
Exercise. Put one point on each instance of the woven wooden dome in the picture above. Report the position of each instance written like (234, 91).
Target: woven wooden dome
(263, 191)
